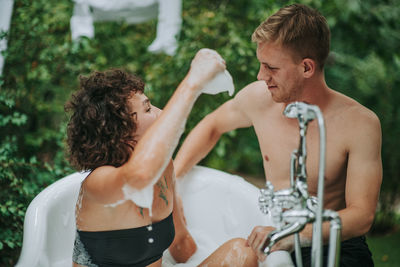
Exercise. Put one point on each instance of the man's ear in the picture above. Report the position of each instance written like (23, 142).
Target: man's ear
(309, 67)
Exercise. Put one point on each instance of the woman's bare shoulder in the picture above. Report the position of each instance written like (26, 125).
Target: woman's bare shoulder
(104, 184)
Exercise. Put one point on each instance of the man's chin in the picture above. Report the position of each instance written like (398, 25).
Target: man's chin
(277, 99)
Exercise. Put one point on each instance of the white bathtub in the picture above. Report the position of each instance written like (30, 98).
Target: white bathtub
(218, 206)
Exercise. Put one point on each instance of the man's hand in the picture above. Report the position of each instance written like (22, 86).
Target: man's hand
(258, 236)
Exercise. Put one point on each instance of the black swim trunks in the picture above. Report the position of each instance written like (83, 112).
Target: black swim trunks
(354, 252)
(133, 247)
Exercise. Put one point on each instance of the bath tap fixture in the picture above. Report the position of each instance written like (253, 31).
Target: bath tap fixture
(292, 208)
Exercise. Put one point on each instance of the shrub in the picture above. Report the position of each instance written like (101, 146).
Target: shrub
(42, 67)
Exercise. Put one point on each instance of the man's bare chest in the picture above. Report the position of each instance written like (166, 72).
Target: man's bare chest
(278, 137)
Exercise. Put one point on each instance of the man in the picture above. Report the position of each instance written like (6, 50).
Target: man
(292, 46)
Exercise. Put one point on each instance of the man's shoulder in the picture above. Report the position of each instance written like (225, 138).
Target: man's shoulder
(254, 94)
(254, 88)
(354, 112)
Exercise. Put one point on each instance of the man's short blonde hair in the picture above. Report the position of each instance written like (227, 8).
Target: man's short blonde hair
(301, 29)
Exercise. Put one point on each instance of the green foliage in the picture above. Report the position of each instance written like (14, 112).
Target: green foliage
(385, 249)
(21, 178)
(365, 41)
(42, 67)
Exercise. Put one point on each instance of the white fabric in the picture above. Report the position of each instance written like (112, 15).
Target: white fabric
(81, 22)
(6, 7)
(168, 13)
(277, 259)
(222, 82)
(168, 27)
(113, 5)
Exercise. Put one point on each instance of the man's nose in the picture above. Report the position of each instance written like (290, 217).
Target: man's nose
(259, 75)
(263, 75)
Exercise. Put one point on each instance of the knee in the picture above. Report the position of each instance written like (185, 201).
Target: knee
(241, 253)
(237, 243)
(234, 252)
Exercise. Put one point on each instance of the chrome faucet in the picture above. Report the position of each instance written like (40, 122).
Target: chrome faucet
(292, 208)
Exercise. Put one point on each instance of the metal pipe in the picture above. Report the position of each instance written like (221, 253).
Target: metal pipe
(316, 250)
(293, 162)
(297, 250)
(334, 237)
(297, 245)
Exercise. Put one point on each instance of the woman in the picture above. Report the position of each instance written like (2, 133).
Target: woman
(127, 143)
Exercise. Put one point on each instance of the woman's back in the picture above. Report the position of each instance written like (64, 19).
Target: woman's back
(92, 215)
(122, 233)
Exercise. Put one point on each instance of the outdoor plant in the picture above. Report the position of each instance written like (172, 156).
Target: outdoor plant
(43, 65)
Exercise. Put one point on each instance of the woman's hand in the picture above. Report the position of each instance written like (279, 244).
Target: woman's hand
(205, 65)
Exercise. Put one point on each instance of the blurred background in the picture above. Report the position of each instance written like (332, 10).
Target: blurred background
(42, 65)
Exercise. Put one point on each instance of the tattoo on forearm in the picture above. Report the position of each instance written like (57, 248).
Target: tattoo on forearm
(163, 189)
(165, 180)
(141, 211)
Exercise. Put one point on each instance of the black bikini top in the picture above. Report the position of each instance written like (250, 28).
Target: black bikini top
(126, 247)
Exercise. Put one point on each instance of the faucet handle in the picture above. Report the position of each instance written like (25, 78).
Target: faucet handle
(300, 109)
(265, 201)
(269, 186)
(276, 216)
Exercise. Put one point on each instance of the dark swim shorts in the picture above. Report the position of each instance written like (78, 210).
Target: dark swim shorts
(354, 252)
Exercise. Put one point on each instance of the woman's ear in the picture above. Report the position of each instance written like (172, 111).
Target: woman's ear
(309, 67)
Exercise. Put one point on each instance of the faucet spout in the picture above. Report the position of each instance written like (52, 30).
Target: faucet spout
(276, 235)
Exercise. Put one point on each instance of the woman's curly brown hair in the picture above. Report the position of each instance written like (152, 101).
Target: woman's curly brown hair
(102, 125)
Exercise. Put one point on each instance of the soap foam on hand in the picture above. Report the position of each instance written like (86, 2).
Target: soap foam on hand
(222, 82)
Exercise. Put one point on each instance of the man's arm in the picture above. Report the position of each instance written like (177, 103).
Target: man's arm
(363, 178)
(229, 116)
